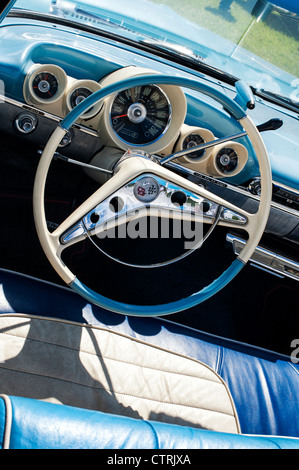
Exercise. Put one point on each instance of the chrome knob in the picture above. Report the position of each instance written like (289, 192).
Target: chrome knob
(25, 123)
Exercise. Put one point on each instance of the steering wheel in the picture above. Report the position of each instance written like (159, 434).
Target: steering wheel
(131, 170)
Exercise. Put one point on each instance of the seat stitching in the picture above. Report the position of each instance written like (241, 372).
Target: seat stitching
(119, 360)
(114, 391)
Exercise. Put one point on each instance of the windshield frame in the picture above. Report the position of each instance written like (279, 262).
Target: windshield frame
(140, 44)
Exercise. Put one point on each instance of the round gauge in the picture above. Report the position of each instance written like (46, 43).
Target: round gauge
(79, 95)
(227, 160)
(79, 91)
(45, 85)
(193, 140)
(140, 115)
(146, 189)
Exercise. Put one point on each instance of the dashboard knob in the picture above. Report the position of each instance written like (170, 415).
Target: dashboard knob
(67, 139)
(255, 186)
(25, 123)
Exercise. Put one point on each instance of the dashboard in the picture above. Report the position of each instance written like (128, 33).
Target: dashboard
(151, 118)
(48, 76)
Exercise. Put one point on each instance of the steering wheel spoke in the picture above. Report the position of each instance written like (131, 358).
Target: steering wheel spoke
(72, 227)
(151, 195)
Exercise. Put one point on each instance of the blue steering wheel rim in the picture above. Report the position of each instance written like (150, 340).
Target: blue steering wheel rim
(229, 105)
(163, 309)
(213, 288)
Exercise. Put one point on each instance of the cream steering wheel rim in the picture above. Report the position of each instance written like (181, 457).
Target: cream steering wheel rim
(129, 169)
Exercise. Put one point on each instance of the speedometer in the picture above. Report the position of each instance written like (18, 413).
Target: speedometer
(140, 115)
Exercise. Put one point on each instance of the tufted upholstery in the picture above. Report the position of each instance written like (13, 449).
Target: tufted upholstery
(263, 385)
(99, 369)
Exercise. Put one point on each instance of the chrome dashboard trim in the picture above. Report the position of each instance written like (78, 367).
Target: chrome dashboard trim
(38, 112)
(237, 189)
(267, 259)
(170, 164)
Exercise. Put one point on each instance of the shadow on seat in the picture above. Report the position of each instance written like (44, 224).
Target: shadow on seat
(144, 369)
(99, 369)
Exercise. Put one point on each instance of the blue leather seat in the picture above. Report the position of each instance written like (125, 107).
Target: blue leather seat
(96, 430)
(264, 385)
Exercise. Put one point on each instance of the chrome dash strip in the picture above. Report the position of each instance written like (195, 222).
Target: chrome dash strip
(45, 114)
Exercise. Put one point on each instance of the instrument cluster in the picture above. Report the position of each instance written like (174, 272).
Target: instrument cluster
(48, 87)
(150, 117)
(222, 160)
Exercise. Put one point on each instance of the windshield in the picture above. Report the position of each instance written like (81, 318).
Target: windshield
(253, 40)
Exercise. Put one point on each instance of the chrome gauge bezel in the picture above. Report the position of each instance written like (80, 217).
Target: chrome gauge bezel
(225, 158)
(194, 135)
(145, 144)
(76, 89)
(29, 93)
(90, 85)
(44, 96)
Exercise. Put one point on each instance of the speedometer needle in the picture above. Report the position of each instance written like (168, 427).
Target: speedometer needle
(117, 117)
